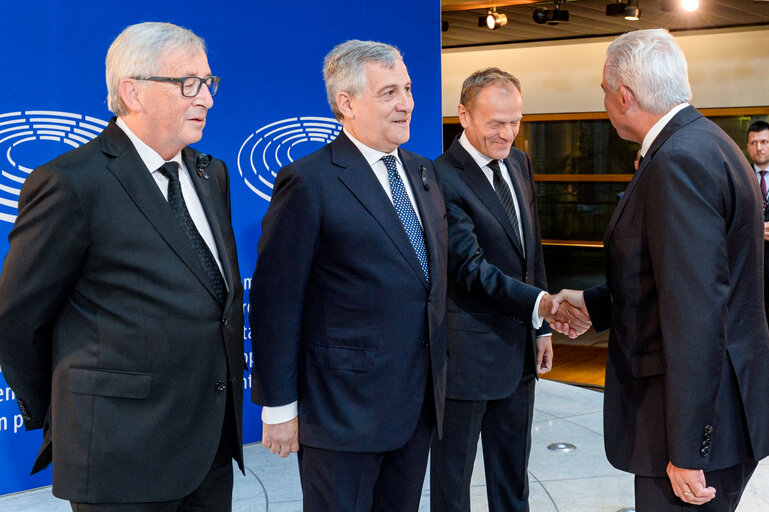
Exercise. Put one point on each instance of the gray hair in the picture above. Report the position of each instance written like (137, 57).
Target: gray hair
(475, 83)
(344, 67)
(139, 50)
(652, 65)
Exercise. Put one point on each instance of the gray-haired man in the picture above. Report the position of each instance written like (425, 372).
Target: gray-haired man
(121, 312)
(348, 298)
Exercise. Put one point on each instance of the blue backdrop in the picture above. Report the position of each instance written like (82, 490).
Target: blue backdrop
(270, 109)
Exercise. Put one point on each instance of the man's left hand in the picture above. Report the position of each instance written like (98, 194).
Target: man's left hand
(689, 485)
(544, 354)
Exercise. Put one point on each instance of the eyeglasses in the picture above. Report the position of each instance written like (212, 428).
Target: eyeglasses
(190, 84)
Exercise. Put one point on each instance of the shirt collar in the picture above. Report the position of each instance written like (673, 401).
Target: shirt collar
(655, 130)
(149, 156)
(370, 154)
(480, 159)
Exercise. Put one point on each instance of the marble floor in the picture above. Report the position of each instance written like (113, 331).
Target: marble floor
(580, 480)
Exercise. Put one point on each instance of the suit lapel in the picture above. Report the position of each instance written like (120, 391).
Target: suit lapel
(211, 203)
(414, 176)
(479, 184)
(356, 174)
(681, 119)
(130, 171)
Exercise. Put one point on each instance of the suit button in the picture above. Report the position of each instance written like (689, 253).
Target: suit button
(705, 451)
(221, 386)
(429, 300)
(708, 429)
(425, 343)
(225, 321)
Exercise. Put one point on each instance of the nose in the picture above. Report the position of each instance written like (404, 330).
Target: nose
(204, 97)
(507, 132)
(405, 102)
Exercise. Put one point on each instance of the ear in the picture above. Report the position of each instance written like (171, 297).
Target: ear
(464, 115)
(627, 98)
(344, 104)
(129, 93)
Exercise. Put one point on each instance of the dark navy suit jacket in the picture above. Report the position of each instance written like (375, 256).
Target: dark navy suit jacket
(342, 317)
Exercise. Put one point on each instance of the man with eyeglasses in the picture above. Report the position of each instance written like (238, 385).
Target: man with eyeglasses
(121, 313)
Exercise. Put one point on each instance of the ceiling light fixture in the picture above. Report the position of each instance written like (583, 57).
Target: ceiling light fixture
(493, 19)
(551, 16)
(633, 12)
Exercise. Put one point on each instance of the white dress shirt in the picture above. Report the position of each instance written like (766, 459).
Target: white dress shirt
(154, 161)
(483, 162)
(283, 413)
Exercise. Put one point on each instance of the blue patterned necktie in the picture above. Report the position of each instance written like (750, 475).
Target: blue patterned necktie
(407, 214)
(176, 201)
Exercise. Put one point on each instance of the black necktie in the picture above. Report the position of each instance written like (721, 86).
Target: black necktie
(505, 197)
(176, 201)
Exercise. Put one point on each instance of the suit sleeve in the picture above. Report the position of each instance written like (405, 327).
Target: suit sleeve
(469, 269)
(48, 246)
(598, 301)
(287, 249)
(540, 277)
(685, 221)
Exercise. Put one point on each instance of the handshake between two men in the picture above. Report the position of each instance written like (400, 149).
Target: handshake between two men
(566, 312)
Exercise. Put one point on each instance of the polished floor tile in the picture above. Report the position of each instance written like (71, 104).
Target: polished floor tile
(580, 480)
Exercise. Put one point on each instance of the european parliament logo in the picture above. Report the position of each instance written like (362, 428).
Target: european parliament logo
(31, 138)
(277, 144)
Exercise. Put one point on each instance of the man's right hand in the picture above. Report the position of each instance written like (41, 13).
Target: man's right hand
(281, 438)
(766, 231)
(564, 317)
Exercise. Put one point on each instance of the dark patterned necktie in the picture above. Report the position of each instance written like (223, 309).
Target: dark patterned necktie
(763, 187)
(505, 197)
(407, 214)
(176, 201)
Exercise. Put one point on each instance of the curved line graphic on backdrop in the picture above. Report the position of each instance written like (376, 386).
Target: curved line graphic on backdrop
(274, 145)
(29, 127)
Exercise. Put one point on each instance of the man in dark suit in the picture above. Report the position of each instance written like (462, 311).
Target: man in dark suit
(498, 341)
(758, 150)
(121, 311)
(348, 298)
(686, 381)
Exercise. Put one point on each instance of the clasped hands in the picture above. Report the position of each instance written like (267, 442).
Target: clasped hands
(566, 312)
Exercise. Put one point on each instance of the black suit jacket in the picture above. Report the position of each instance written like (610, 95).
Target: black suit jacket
(110, 332)
(493, 284)
(342, 318)
(686, 377)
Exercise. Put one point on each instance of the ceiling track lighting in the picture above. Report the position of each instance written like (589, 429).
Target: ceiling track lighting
(493, 19)
(551, 16)
(625, 8)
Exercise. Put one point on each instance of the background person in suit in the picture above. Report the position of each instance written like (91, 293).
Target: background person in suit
(121, 339)
(348, 298)
(496, 301)
(686, 385)
(758, 150)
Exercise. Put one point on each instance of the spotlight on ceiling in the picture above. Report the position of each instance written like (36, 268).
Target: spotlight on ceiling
(686, 5)
(551, 16)
(624, 8)
(493, 19)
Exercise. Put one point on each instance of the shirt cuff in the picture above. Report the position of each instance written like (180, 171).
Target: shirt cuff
(536, 320)
(280, 414)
